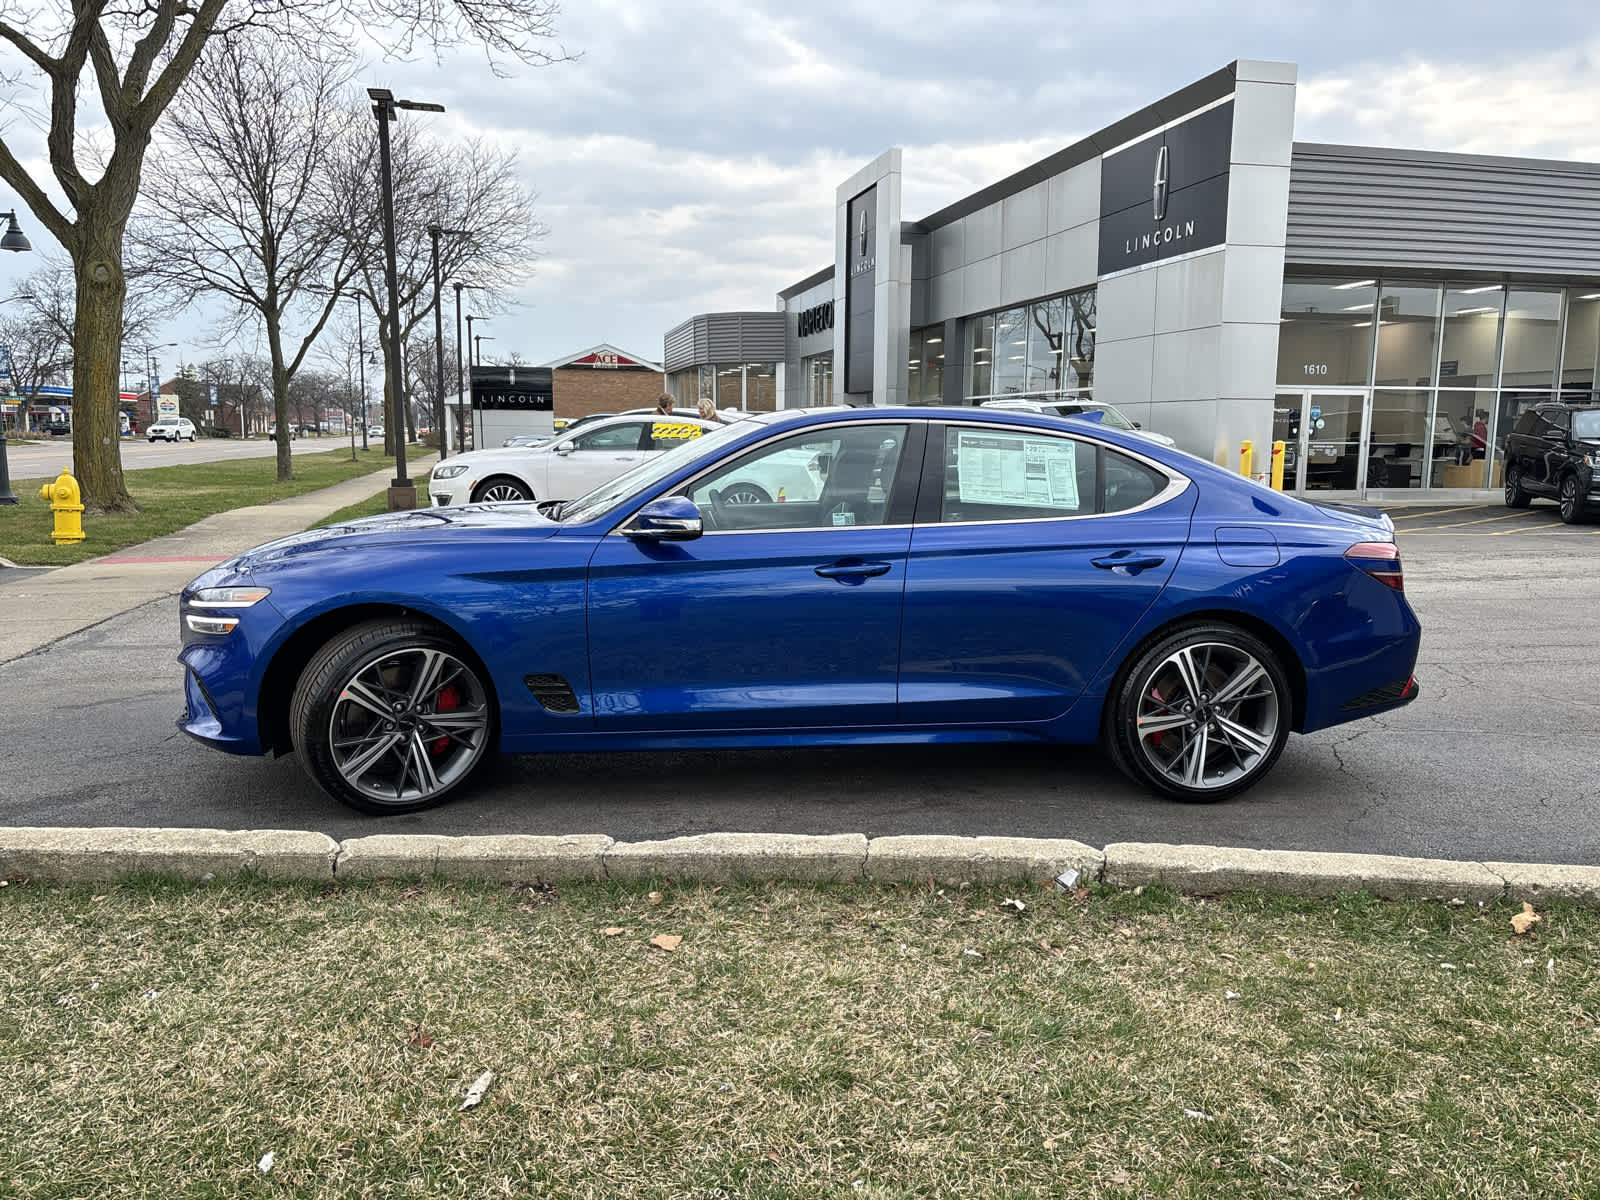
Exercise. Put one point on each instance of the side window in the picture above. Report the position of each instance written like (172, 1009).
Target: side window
(667, 433)
(1129, 483)
(1560, 420)
(841, 476)
(1529, 423)
(995, 475)
(613, 438)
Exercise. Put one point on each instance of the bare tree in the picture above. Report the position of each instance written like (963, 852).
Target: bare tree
(130, 58)
(470, 187)
(243, 202)
(35, 354)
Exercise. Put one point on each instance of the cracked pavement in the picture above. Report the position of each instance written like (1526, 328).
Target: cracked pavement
(1494, 761)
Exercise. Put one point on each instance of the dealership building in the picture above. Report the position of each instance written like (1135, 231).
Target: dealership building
(1386, 313)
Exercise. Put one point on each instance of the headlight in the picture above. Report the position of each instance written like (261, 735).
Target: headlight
(229, 597)
(1593, 460)
(450, 470)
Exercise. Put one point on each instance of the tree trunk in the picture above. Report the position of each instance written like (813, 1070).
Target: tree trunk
(97, 356)
(280, 397)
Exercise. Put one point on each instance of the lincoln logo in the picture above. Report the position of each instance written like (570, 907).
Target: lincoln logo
(1158, 190)
(863, 233)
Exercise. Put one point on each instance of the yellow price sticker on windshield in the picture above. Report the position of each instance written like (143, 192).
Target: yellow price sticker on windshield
(674, 431)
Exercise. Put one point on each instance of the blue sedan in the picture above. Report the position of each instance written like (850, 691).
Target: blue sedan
(815, 578)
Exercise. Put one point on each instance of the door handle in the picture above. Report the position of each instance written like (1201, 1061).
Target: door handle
(1128, 563)
(853, 571)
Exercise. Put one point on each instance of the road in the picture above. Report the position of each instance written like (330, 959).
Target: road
(44, 459)
(1495, 760)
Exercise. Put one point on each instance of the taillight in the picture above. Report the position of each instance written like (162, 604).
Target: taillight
(1381, 560)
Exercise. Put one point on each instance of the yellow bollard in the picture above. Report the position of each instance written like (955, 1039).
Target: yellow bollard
(65, 501)
(1277, 466)
(1247, 453)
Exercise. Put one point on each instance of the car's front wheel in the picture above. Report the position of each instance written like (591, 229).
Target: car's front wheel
(1200, 715)
(500, 488)
(1571, 501)
(392, 716)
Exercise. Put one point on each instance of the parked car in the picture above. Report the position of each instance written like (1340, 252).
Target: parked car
(376, 431)
(58, 428)
(957, 576)
(559, 469)
(1554, 451)
(171, 429)
(1077, 407)
(272, 432)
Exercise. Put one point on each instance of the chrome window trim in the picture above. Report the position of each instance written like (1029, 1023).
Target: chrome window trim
(1177, 481)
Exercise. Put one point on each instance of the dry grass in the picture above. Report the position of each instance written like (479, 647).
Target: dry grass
(158, 1040)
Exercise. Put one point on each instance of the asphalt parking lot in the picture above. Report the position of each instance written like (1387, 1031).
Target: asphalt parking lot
(1485, 520)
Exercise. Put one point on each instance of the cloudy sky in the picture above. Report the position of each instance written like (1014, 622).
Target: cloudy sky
(686, 161)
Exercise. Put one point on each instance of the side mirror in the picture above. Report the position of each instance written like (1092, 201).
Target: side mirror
(667, 519)
(565, 448)
(1138, 425)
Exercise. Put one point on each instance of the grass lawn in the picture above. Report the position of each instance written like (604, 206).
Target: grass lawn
(160, 1040)
(170, 498)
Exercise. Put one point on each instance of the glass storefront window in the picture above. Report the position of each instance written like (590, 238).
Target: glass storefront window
(1512, 404)
(1047, 336)
(1325, 332)
(708, 385)
(730, 386)
(1461, 438)
(925, 368)
(1407, 324)
(817, 372)
(980, 354)
(1583, 340)
(1010, 352)
(1471, 335)
(1079, 351)
(1533, 325)
(761, 386)
(1398, 439)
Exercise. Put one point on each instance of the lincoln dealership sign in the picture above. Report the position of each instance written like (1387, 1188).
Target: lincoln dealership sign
(1166, 195)
(861, 257)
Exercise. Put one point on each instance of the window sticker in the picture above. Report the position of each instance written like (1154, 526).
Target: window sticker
(1017, 470)
(674, 431)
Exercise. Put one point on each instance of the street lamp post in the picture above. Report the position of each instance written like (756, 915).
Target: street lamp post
(12, 240)
(477, 351)
(434, 231)
(361, 362)
(461, 386)
(402, 492)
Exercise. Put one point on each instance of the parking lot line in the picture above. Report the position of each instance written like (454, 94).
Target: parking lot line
(1557, 528)
(1482, 521)
(1437, 512)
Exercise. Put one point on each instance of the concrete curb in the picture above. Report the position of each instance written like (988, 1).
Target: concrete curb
(93, 856)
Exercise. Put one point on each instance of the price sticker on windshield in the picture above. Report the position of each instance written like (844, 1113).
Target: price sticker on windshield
(674, 431)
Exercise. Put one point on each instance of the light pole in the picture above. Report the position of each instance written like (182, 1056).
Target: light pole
(152, 367)
(12, 240)
(477, 351)
(402, 492)
(461, 386)
(361, 362)
(434, 231)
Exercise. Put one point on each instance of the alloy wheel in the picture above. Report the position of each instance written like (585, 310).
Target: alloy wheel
(408, 725)
(1208, 716)
(744, 493)
(501, 492)
(1569, 499)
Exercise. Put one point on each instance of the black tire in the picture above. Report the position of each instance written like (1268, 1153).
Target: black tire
(1250, 731)
(1516, 497)
(1570, 502)
(501, 489)
(444, 727)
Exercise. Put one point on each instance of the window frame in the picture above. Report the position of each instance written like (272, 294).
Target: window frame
(930, 499)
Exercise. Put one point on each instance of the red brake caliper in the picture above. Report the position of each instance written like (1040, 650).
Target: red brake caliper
(447, 700)
(1155, 694)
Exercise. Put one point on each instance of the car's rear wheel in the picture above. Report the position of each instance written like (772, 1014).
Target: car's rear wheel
(500, 488)
(1516, 497)
(1571, 502)
(392, 716)
(1200, 715)
(740, 493)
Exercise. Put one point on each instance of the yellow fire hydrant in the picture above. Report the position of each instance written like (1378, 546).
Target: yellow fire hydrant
(66, 502)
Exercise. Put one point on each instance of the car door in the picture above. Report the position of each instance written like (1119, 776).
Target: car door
(596, 455)
(784, 613)
(1034, 554)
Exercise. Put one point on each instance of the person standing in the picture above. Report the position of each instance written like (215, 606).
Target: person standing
(708, 411)
(664, 405)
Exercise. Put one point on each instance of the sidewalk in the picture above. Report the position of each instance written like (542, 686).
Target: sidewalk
(48, 606)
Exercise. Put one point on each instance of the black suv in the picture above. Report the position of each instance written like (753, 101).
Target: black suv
(1555, 451)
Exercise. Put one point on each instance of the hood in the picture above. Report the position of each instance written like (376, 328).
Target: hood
(416, 526)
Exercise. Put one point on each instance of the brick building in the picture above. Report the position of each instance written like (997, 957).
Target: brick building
(604, 379)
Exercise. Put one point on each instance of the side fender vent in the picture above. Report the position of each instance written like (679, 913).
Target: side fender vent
(553, 693)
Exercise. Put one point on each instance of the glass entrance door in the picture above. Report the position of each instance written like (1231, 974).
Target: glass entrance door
(1324, 436)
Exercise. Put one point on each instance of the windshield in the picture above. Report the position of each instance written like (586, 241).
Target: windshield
(652, 470)
(1586, 424)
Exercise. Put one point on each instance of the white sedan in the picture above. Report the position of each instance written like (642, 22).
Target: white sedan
(562, 469)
